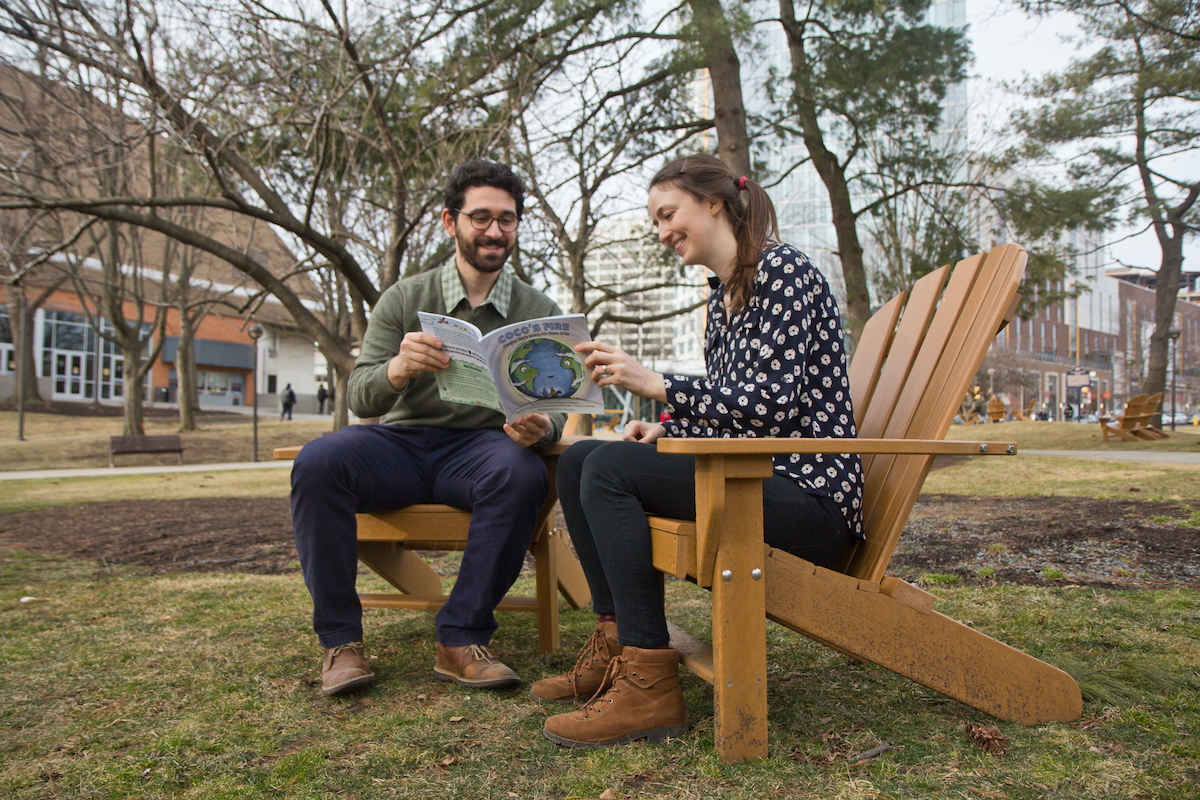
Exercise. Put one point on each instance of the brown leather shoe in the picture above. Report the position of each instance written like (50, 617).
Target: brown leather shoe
(590, 673)
(345, 669)
(645, 702)
(472, 665)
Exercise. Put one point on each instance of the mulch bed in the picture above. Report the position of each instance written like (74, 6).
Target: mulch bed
(1101, 543)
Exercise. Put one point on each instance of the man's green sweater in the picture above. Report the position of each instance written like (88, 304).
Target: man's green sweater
(418, 403)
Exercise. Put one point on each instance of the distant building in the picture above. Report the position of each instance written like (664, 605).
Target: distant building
(1105, 332)
(71, 357)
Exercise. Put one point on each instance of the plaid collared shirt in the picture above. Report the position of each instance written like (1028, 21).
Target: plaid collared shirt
(452, 289)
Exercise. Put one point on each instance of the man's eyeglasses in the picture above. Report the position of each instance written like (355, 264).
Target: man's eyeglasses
(482, 220)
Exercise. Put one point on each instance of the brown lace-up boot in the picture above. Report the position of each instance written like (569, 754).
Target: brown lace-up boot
(344, 668)
(588, 675)
(644, 702)
(472, 665)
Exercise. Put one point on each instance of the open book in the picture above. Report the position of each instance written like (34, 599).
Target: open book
(524, 368)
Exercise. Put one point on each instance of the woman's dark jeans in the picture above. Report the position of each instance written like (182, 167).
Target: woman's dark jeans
(607, 487)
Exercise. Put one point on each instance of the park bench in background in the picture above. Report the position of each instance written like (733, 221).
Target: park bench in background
(996, 410)
(163, 443)
(388, 543)
(907, 380)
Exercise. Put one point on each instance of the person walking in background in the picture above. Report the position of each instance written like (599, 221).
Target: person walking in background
(287, 399)
(321, 397)
(775, 366)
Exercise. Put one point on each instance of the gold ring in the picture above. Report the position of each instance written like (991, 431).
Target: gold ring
(604, 369)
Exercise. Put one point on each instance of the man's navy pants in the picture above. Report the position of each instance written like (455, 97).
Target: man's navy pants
(370, 468)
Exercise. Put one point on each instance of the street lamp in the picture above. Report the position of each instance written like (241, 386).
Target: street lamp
(991, 381)
(1174, 334)
(255, 332)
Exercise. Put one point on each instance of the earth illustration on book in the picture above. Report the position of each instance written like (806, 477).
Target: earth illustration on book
(545, 368)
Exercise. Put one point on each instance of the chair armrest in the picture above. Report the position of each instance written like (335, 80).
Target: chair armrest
(719, 460)
(779, 446)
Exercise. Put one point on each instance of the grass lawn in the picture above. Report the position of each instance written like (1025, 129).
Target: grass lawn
(1073, 436)
(203, 686)
(59, 441)
(118, 683)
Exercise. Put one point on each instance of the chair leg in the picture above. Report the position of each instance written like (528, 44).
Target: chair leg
(545, 559)
(740, 627)
(571, 580)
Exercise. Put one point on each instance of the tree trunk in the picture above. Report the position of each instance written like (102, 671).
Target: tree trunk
(18, 309)
(185, 372)
(341, 414)
(833, 175)
(725, 72)
(1165, 294)
(135, 423)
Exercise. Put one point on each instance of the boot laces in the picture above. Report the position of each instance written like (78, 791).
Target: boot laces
(481, 653)
(353, 646)
(616, 672)
(591, 648)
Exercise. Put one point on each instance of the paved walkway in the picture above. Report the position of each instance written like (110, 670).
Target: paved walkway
(1113, 455)
(1119, 455)
(92, 472)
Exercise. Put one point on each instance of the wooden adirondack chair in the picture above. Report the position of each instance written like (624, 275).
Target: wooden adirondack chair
(1025, 414)
(906, 382)
(1145, 427)
(996, 410)
(388, 545)
(1127, 422)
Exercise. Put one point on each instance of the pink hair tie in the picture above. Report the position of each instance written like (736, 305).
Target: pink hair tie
(742, 184)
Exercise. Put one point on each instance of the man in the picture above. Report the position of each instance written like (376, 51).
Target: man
(288, 399)
(429, 451)
(321, 396)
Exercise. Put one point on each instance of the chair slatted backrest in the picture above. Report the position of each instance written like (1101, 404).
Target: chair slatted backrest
(942, 337)
(1133, 412)
(870, 353)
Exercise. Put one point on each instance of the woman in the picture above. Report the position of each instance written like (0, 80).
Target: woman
(775, 367)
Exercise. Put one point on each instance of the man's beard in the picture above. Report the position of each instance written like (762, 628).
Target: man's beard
(468, 248)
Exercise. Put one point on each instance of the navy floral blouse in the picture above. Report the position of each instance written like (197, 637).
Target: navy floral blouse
(777, 368)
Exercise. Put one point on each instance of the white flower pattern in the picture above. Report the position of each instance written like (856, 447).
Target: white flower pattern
(804, 394)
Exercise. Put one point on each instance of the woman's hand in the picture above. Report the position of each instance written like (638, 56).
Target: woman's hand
(646, 432)
(612, 366)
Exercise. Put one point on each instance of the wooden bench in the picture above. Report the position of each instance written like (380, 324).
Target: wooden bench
(163, 443)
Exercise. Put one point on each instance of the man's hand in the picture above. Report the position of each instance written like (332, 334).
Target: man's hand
(529, 429)
(646, 432)
(419, 352)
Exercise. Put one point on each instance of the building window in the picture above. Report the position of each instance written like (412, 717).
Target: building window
(212, 382)
(272, 383)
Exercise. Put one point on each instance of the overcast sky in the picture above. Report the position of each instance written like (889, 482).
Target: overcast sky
(1009, 46)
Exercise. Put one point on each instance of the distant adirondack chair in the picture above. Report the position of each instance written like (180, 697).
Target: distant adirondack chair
(1145, 426)
(1130, 425)
(1027, 413)
(996, 410)
(906, 380)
